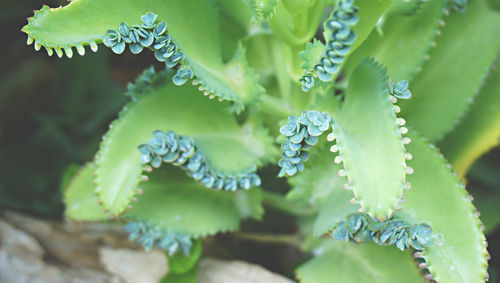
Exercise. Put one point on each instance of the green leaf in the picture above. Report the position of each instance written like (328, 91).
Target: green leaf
(249, 203)
(181, 263)
(189, 277)
(319, 185)
(242, 77)
(234, 21)
(318, 180)
(369, 13)
(494, 4)
(311, 54)
(405, 7)
(228, 148)
(486, 202)
(445, 87)
(439, 199)
(81, 202)
(262, 10)
(347, 262)
(68, 174)
(176, 203)
(479, 130)
(334, 210)
(403, 42)
(84, 21)
(192, 23)
(370, 143)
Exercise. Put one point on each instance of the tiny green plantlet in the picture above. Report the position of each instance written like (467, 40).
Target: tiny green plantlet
(346, 109)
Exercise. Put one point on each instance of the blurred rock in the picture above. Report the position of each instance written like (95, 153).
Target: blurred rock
(44, 251)
(135, 266)
(22, 259)
(235, 271)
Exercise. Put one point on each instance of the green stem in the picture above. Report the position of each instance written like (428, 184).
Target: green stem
(275, 107)
(304, 26)
(294, 68)
(279, 202)
(280, 27)
(291, 239)
(314, 19)
(278, 50)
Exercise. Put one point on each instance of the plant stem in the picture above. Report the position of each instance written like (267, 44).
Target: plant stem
(294, 68)
(287, 239)
(279, 202)
(282, 29)
(275, 107)
(278, 50)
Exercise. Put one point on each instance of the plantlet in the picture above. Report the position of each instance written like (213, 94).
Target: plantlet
(350, 116)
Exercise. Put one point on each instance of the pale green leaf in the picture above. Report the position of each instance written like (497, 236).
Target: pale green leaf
(439, 199)
(347, 262)
(228, 148)
(334, 210)
(174, 202)
(458, 64)
(403, 41)
(369, 13)
(369, 141)
(81, 202)
(479, 130)
(319, 178)
(249, 203)
(192, 23)
(311, 55)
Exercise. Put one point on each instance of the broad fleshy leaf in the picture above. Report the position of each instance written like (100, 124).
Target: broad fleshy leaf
(192, 23)
(403, 41)
(249, 203)
(318, 180)
(79, 198)
(369, 13)
(334, 210)
(486, 202)
(369, 141)
(347, 262)
(173, 202)
(227, 147)
(479, 130)
(458, 65)
(320, 186)
(404, 7)
(439, 199)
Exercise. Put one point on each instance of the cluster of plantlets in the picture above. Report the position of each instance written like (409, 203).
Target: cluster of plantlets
(153, 35)
(181, 151)
(339, 37)
(360, 228)
(301, 133)
(385, 181)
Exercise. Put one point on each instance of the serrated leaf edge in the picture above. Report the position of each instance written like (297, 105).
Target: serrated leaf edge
(38, 43)
(398, 128)
(467, 199)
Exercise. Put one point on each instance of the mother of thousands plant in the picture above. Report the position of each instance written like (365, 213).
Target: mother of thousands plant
(320, 88)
